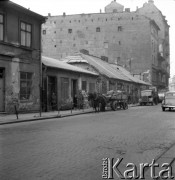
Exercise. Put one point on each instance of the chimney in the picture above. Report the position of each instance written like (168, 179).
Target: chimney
(100, 11)
(49, 14)
(64, 14)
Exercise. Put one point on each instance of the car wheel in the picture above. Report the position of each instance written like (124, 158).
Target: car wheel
(163, 109)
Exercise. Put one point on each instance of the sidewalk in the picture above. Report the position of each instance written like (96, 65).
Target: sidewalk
(11, 118)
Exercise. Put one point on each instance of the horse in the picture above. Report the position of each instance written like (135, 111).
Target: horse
(98, 101)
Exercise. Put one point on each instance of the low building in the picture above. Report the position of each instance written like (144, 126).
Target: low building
(20, 64)
(64, 81)
(111, 76)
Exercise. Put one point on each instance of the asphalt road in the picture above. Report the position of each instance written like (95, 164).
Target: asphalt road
(72, 148)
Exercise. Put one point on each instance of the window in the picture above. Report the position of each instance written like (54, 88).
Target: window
(64, 89)
(119, 28)
(106, 45)
(25, 85)
(1, 27)
(84, 85)
(26, 34)
(98, 29)
(70, 31)
(44, 31)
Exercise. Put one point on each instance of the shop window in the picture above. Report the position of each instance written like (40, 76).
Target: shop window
(25, 85)
(26, 34)
(84, 85)
(1, 27)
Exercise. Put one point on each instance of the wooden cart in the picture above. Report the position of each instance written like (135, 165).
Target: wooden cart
(117, 100)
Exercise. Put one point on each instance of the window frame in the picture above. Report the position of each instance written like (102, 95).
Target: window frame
(26, 32)
(28, 88)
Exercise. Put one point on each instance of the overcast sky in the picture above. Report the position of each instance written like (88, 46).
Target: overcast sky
(57, 7)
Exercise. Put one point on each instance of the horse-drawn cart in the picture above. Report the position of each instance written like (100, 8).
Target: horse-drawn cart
(116, 100)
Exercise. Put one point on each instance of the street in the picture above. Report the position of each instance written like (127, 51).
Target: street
(72, 148)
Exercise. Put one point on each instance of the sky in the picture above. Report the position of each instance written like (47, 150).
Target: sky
(57, 7)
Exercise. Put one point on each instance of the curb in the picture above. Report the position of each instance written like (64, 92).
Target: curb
(44, 118)
(49, 117)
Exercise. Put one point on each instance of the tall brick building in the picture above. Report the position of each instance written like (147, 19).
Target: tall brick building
(118, 36)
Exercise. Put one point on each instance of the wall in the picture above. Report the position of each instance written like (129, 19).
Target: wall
(132, 42)
(15, 59)
(71, 75)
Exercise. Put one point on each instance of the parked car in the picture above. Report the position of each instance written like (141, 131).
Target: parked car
(148, 96)
(169, 101)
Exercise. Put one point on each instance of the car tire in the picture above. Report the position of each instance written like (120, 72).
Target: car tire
(163, 109)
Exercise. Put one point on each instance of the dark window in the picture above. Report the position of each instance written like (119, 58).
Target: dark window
(119, 42)
(1, 27)
(84, 85)
(98, 29)
(119, 28)
(104, 58)
(26, 34)
(25, 85)
(64, 89)
(69, 30)
(44, 31)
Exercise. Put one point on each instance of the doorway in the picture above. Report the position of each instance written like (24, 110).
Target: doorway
(49, 98)
(74, 91)
(2, 90)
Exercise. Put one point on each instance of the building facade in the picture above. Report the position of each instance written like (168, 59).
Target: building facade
(111, 76)
(65, 82)
(20, 51)
(129, 39)
(161, 73)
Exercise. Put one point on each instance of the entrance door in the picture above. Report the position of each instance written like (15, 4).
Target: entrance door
(52, 93)
(74, 91)
(1, 90)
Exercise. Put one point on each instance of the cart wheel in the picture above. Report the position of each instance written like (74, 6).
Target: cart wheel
(125, 106)
(114, 105)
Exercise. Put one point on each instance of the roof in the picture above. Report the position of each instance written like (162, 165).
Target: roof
(112, 71)
(55, 63)
(105, 68)
(128, 74)
(12, 5)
